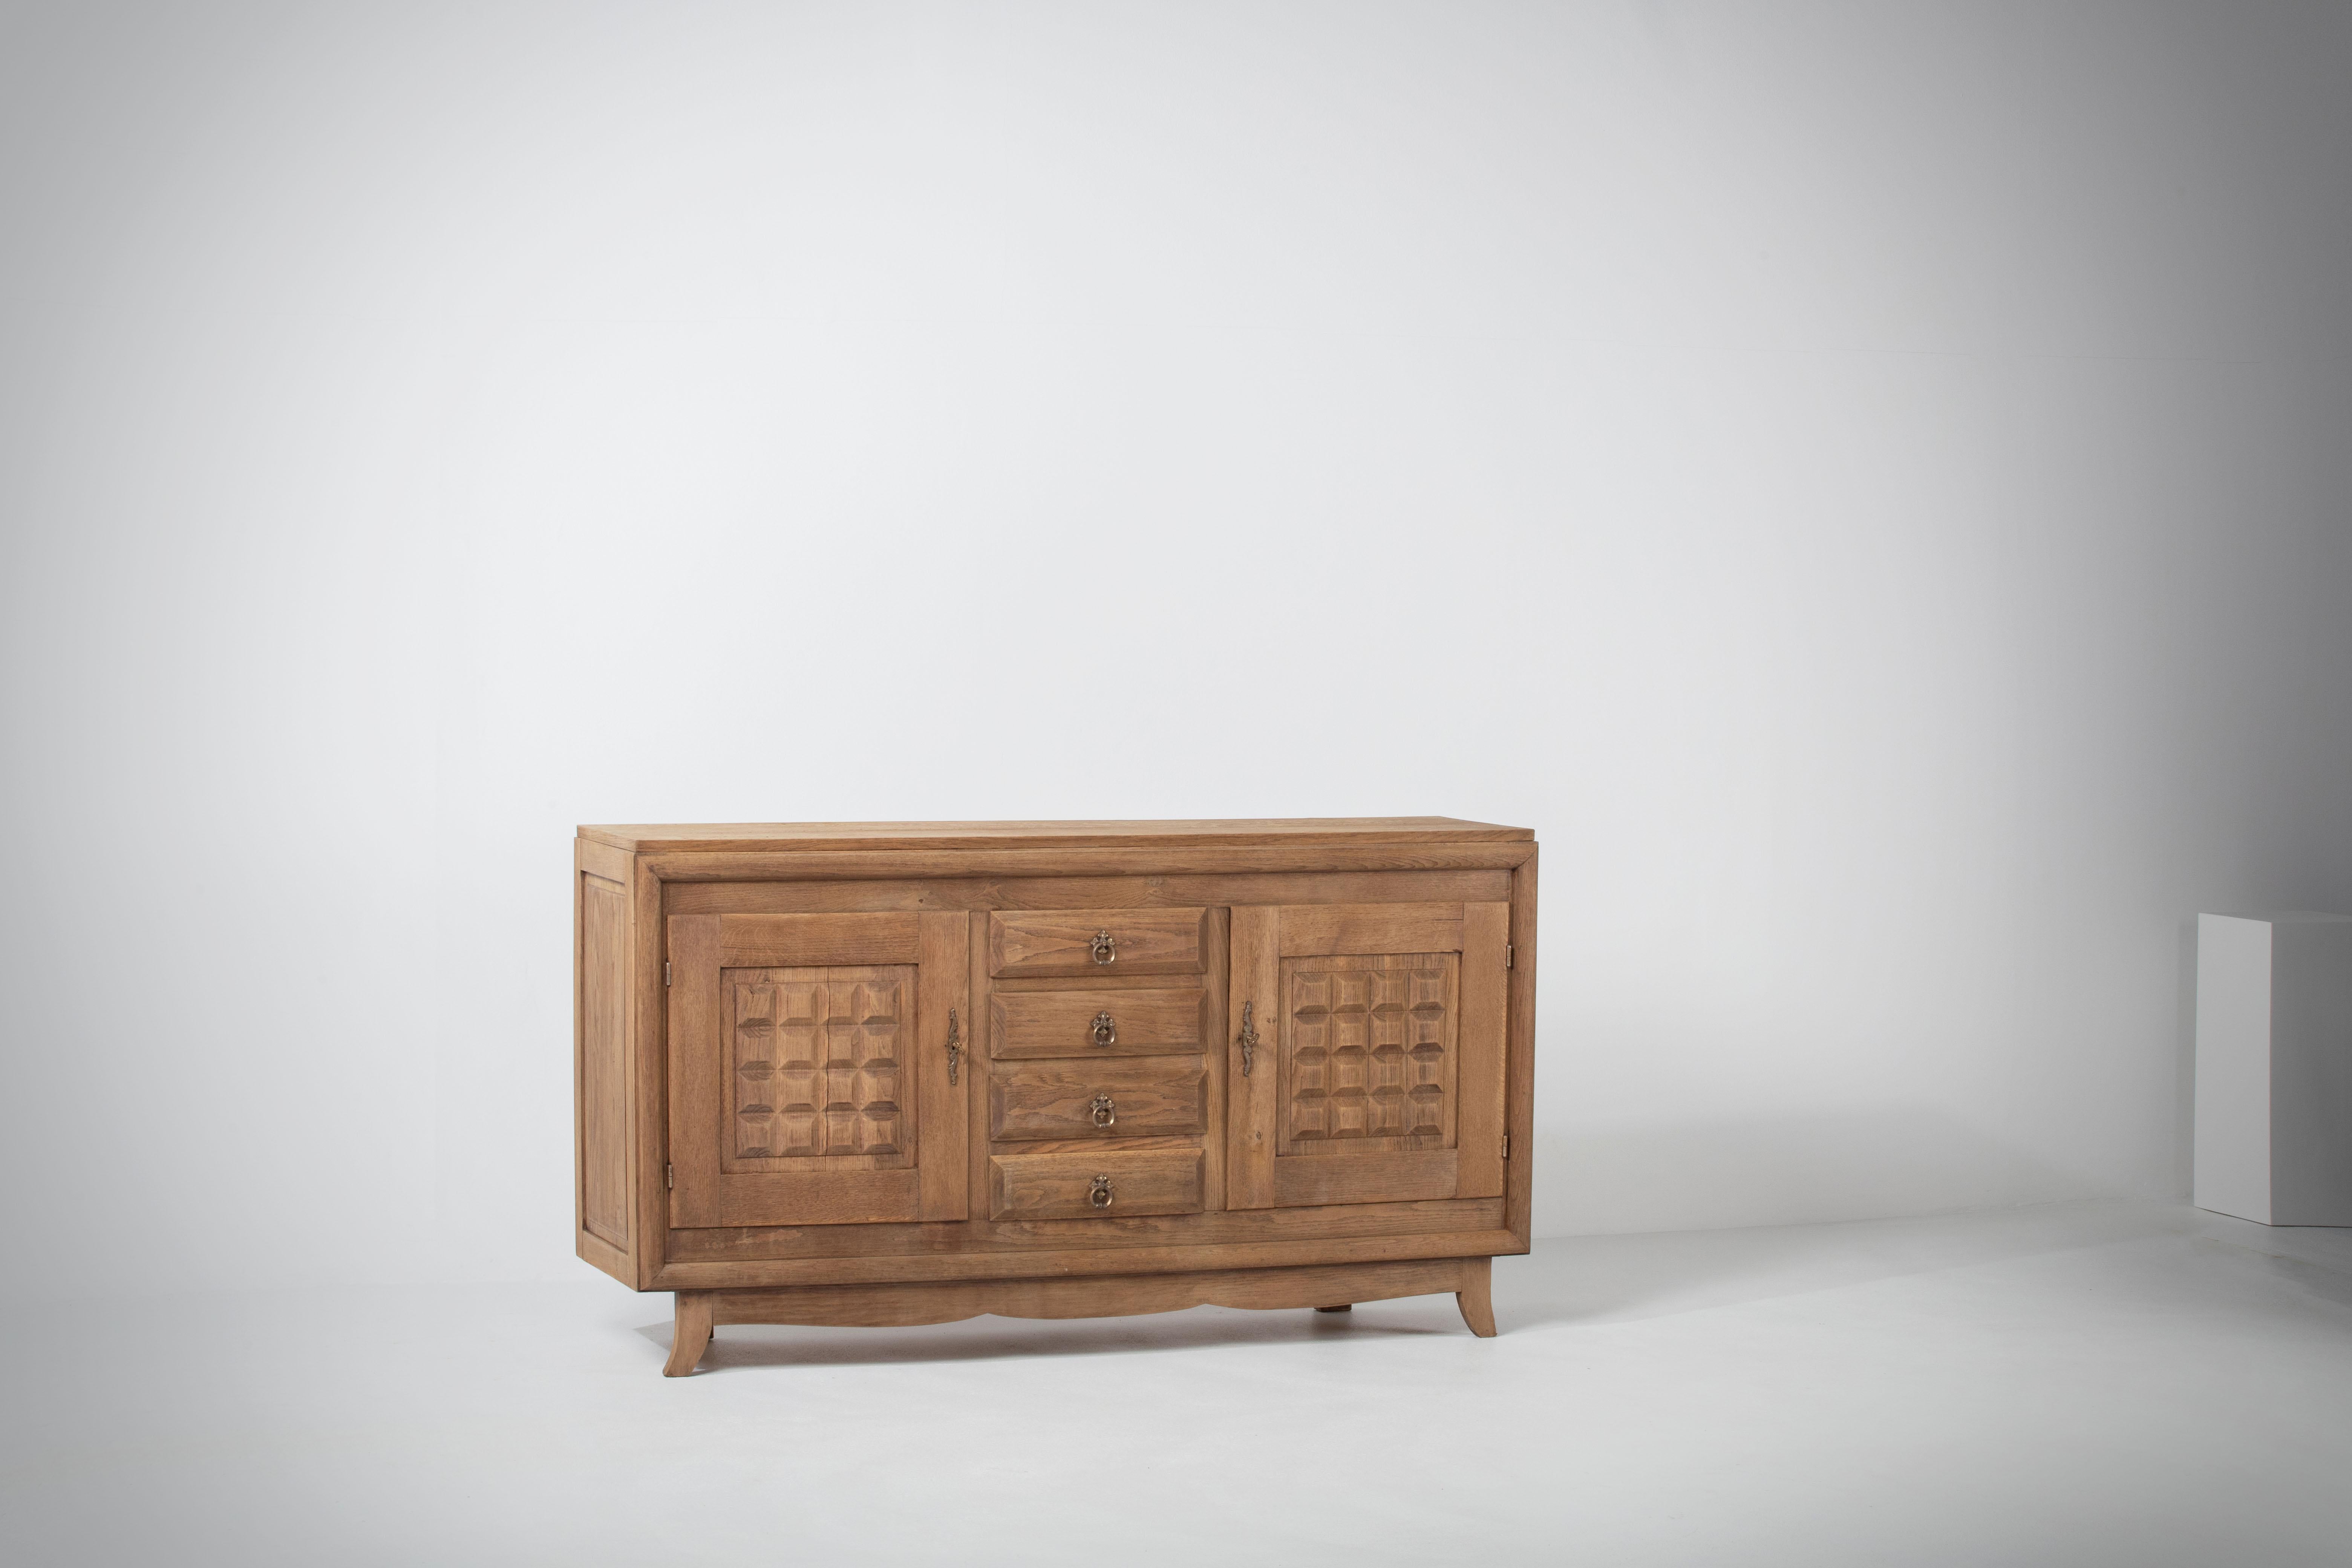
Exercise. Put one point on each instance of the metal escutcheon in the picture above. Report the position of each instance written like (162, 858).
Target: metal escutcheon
(1105, 1030)
(1105, 947)
(1106, 1113)
(1099, 1194)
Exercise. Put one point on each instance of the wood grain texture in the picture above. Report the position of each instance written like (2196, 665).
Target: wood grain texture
(860, 1156)
(602, 1066)
(1073, 943)
(1077, 1261)
(1252, 1104)
(1520, 1094)
(816, 1066)
(1356, 1178)
(1368, 1060)
(1217, 957)
(689, 1332)
(1141, 1097)
(1484, 1047)
(782, 1243)
(1475, 1296)
(649, 1231)
(1197, 860)
(1362, 929)
(1115, 1296)
(1397, 889)
(708, 837)
(944, 1105)
(807, 942)
(886, 893)
(1150, 1021)
(1059, 1186)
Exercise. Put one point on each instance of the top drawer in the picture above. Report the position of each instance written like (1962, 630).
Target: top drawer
(1096, 941)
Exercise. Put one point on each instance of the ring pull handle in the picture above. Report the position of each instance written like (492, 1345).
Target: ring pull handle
(1099, 1194)
(1105, 947)
(1104, 1113)
(1249, 1036)
(1106, 1029)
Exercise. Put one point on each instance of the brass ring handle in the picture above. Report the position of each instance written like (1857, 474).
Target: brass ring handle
(1105, 947)
(1099, 1194)
(1105, 1030)
(1106, 1113)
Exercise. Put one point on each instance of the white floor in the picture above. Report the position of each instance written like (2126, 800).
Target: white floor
(2082, 1384)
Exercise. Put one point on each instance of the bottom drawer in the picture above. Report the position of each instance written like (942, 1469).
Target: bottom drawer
(1088, 1185)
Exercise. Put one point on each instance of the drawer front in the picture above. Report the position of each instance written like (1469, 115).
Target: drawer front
(1106, 1023)
(1145, 1097)
(1096, 941)
(1094, 1186)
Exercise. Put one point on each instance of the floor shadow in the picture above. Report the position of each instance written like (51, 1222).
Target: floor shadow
(993, 1339)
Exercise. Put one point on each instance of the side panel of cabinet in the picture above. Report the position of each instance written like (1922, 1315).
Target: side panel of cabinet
(1377, 1069)
(815, 1068)
(604, 1086)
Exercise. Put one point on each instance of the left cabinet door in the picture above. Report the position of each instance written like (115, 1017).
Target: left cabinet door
(818, 1068)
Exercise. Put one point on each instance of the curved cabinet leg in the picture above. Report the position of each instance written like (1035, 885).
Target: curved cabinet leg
(691, 1337)
(1476, 1297)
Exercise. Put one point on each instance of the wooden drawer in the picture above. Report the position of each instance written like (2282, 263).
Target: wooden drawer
(1060, 1187)
(1096, 941)
(1070, 1022)
(1145, 1097)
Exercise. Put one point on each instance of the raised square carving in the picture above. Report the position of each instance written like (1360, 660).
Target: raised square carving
(816, 1067)
(1367, 1052)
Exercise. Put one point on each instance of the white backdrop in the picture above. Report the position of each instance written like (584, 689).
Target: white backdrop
(1871, 485)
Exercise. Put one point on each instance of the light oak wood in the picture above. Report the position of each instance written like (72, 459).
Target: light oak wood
(1087, 943)
(765, 1100)
(1107, 1257)
(850, 1058)
(720, 837)
(604, 1066)
(1099, 1101)
(1088, 892)
(690, 1334)
(1475, 1296)
(1062, 1023)
(889, 1244)
(698, 1312)
(1253, 1058)
(847, 865)
(1094, 1185)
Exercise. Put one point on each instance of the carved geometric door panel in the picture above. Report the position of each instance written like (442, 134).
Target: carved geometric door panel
(815, 1064)
(817, 1068)
(1371, 1067)
(1367, 1057)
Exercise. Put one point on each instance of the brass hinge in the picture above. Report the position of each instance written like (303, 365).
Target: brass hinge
(669, 1175)
(666, 970)
(1507, 955)
(1506, 1145)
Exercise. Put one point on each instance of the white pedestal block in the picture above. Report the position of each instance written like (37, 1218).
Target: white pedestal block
(2274, 1067)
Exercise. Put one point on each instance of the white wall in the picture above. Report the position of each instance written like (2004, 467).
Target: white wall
(1871, 485)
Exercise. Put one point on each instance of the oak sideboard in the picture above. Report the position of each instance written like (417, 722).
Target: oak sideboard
(906, 1072)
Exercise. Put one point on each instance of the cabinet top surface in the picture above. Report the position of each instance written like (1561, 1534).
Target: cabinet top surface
(720, 837)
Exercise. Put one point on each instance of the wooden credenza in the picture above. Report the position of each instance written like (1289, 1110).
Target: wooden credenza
(889, 1073)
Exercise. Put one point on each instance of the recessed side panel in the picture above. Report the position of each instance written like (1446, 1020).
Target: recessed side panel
(604, 1065)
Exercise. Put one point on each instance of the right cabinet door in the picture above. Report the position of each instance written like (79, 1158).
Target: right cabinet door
(1367, 1057)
